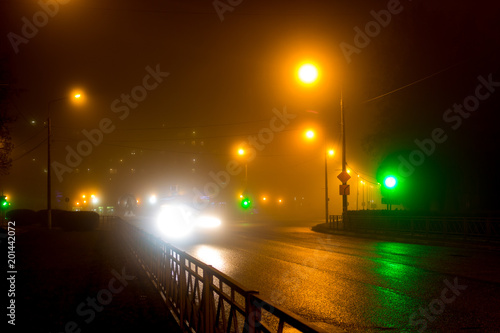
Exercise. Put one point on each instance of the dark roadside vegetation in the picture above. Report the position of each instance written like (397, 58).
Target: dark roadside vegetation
(79, 277)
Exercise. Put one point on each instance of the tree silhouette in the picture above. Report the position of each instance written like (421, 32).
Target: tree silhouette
(5, 119)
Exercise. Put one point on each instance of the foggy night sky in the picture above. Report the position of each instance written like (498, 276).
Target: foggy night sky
(226, 77)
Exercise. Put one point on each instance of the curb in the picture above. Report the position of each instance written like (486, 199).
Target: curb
(482, 245)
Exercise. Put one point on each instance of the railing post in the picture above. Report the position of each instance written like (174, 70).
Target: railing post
(182, 291)
(169, 266)
(208, 319)
(253, 314)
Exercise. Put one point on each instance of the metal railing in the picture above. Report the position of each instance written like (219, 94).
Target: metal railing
(335, 222)
(467, 228)
(202, 298)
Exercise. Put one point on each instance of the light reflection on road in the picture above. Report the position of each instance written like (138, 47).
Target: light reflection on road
(210, 255)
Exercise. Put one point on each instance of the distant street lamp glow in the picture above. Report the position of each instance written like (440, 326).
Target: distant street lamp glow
(308, 73)
(310, 134)
(241, 151)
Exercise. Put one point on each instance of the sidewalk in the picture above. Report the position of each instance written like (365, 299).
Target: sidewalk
(434, 241)
(83, 282)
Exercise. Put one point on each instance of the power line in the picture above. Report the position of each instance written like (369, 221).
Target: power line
(37, 133)
(29, 151)
(411, 84)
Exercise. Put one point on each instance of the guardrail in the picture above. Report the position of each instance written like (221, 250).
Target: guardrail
(202, 298)
(335, 222)
(485, 228)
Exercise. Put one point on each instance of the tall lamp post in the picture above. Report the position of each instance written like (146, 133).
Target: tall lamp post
(242, 152)
(49, 179)
(308, 74)
(328, 152)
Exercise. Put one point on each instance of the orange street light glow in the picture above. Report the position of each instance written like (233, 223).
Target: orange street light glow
(241, 151)
(77, 97)
(308, 73)
(310, 134)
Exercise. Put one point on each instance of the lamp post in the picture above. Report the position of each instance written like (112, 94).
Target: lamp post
(308, 74)
(49, 179)
(310, 135)
(241, 152)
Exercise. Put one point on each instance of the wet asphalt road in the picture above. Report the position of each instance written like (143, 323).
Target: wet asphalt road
(348, 284)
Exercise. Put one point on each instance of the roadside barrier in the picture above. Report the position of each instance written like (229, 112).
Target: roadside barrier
(202, 298)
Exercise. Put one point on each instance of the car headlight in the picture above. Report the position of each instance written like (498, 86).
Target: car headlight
(174, 221)
(208, 222)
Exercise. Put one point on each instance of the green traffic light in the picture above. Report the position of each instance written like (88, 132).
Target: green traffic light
(3, 202)
(390, 182)
(245, 203)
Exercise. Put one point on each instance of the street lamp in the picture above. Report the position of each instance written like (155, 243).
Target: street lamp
(49, 136)
(242, 152)
(310, 134)
(308, 74)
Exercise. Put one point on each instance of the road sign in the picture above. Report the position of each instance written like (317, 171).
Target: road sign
(344, 189)
(344, 176)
